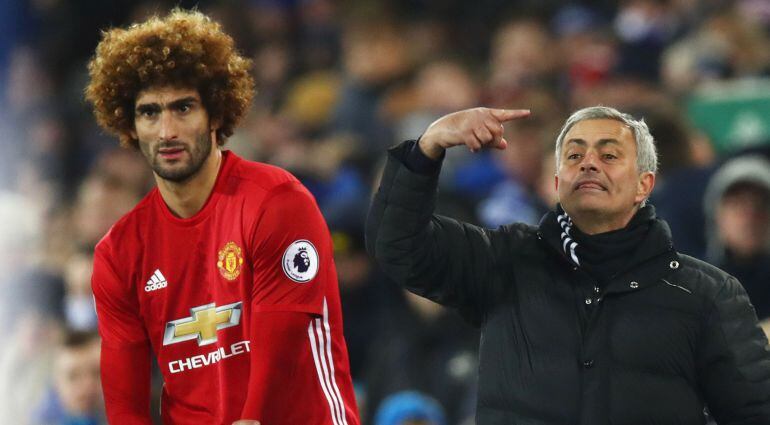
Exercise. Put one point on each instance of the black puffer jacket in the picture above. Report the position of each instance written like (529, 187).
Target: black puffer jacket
(657, 345)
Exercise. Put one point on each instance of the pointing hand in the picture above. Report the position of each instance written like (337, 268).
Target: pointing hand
(475, 128)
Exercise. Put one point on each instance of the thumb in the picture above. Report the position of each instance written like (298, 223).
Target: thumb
(504, 115)
(502, 144)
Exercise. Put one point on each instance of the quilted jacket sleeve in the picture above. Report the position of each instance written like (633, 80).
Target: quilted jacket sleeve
(442, 259)
(734, 360)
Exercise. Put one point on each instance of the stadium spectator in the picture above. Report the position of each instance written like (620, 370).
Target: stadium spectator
(376, 59)
(516, 198)
(726, 44)
(737, 206)
(75, 397)
(681, 181)
(523, 56)
(439, 87)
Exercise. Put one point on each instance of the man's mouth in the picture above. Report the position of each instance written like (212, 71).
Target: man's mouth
(590, 185)
(172, 152)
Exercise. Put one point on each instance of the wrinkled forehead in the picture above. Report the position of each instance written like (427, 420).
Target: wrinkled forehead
(605, 129)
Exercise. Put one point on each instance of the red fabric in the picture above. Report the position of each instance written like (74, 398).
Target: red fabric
(282, 355)
(126, 382)
(201, 294)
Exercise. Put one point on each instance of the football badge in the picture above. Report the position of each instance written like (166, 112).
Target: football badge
(300, 261)
(230, 261)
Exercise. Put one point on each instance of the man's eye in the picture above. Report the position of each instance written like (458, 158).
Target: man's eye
(609, 156)
(183, 108)
(573, 156)
(148, 113)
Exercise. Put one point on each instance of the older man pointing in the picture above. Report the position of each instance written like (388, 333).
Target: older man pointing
(591, 317)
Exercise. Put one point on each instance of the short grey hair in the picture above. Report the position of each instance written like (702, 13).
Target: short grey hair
(646, 153)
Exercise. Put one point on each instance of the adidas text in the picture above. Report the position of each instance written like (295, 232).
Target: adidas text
(157, 281)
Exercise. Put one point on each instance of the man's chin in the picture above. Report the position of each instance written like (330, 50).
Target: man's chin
(586, 205)
(176, 173)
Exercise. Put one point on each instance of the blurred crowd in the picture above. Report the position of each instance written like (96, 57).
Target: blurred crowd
(339, 81)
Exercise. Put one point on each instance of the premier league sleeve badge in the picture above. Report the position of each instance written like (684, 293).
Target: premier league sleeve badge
(300, 261)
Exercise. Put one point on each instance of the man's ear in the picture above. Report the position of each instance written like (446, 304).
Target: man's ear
(645, 186)
(556, 182)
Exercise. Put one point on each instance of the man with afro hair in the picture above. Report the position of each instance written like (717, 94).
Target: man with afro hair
(202, 272)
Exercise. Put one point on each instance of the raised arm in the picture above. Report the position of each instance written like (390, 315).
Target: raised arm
(436, 257)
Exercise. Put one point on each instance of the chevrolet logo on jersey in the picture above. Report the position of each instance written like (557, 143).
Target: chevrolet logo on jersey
(203, 324)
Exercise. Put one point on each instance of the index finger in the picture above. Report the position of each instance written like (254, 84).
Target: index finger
(504, 115)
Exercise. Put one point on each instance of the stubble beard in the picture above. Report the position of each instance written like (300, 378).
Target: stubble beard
(198, 153)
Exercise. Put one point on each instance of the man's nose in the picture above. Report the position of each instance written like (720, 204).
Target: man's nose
(589, 162)
(168, 128)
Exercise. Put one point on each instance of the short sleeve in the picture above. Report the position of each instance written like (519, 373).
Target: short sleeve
(117, 306)
(291, 253)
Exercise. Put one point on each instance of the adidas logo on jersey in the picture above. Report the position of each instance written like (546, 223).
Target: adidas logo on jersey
(157, 281)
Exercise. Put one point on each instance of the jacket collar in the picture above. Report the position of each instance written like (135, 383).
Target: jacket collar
(654, 258)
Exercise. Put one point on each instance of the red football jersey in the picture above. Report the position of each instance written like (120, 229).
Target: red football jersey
(239, 305)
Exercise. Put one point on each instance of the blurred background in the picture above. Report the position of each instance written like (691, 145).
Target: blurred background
(338, 82)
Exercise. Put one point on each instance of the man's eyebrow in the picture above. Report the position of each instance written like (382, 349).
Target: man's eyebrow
(148, 107)
(601, 142)
(155, 106)
(183, 101)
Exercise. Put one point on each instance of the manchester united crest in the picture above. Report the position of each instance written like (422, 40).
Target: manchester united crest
(230, 261)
